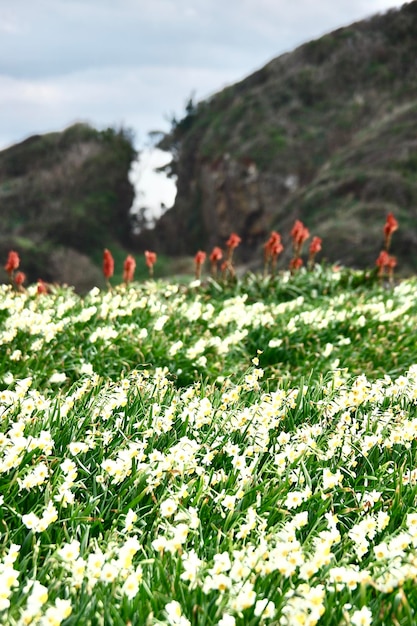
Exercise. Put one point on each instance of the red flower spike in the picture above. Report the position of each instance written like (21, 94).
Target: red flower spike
(296, 263)
(386, 262)
(272, 248)
(199, 259)
(298, 226)
(13, 262)
(108, 264)
(150, 260)
(19, 278)
(129, 267)
(274, 239)
(42, 287)
(276, 249)
(302, 236)
(315, 246)
(391, 225)
(299, 234)
(382, 260)
(233, 241)
(216, 255)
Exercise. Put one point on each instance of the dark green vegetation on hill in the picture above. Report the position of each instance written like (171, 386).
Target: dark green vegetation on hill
(63, 198)
(325, 134)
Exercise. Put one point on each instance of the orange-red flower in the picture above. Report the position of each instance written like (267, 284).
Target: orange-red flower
(227, 268)
(42, 287)
(150, 258)
(108, 264)
(273, 241)
(383, 259)
(299, 234)
(13, 262)
(233, 241)
(276, 249)
(19, 278)
(296, 263)
(391, 225)
(216, 254)
(129, 267)
(199, 259)
(272, 249)
(273, 238)
(315, 246)
(386, 262)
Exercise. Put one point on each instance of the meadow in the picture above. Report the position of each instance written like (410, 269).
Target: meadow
(216, 453)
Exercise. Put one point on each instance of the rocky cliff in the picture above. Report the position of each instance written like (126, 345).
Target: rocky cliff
(326, 133)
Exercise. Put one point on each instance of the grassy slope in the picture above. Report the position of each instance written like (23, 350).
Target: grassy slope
(282, 480)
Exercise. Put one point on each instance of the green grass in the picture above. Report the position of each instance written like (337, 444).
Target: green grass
(240, 453)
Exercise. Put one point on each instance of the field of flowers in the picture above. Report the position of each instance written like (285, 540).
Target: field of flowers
(234, 453)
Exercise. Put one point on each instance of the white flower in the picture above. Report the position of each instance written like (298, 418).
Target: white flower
(109, 572)
(56, 614)
(195, 283)
(328, 350)
(229, 502)
(174, 614)
(131, 585)
(265, 608)
(87, 369)
(160, 322)
(38, 596)
(77, 447)
(293, 499)
(58, 377)
(16, 355)
(70, 551)
(30, 520)
(227, 620)
(274, 343)
(330, 480)
(168, 507)
(159, 544)
(131, 518)
(363, 617)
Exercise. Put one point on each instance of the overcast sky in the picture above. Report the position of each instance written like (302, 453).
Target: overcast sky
(136, 62)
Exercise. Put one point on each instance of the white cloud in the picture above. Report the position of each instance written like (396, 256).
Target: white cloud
(140, 97)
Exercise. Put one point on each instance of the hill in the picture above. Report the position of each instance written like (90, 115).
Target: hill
(64, 196)
(325, 133)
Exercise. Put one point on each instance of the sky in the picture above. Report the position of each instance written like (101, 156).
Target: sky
(135, 63)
